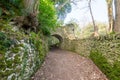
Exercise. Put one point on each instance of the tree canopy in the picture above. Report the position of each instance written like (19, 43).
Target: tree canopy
(63, 7)
(47, 16)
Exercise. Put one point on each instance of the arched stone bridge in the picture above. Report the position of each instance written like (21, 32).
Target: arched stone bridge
(64, 32)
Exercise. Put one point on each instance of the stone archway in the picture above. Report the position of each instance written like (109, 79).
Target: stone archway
(59, 38)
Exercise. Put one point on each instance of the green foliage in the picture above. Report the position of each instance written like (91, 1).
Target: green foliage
(4, 42)
(0, 11)
(24, 62)
(35, 39)
(63, 7)
(88, 30)
(9, 8)
(112, 72)
(32, 48)
(17, 49)
(47, 16)
(53, 41)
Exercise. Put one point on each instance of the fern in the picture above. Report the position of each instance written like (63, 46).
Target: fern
(10, 8)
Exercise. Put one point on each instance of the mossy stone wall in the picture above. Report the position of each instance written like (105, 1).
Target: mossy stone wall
(104, 51)
(108, 45)
(20, 54)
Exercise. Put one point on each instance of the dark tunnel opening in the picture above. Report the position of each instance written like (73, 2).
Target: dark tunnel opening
(58, 37)
(58, 43)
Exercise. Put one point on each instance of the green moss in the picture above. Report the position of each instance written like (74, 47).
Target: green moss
(2, 65)
(3, 77)
(5, 43)
(119, 45)
(9, 64)
(13, 77)
(10, 38)
(17, 59)
(2, 55)
(20, 45)
(7, 72)
(15, 49)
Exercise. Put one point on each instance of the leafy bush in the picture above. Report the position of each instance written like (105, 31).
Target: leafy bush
(10, 8)
(89, 29)
(47, 16)
(4, 42)
(111, 71)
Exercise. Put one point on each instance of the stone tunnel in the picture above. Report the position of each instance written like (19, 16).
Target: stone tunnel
(58, 37)
(56, 40)
(63, 33)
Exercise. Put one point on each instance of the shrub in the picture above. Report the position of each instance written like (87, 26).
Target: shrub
(5, 42)
(9, 8)
(111, 71)
(47, 16)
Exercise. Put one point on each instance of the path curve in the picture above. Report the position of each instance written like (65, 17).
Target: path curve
(64, 65)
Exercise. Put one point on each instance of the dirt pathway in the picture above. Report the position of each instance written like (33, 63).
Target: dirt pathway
(65, 65)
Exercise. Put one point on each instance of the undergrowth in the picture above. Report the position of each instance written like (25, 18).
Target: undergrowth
(111, 71)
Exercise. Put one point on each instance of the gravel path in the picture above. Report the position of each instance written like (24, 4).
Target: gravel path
(65, 65)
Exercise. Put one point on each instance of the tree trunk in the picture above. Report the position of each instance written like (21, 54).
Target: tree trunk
(117, 21)
(31, 6)
(110, 14)
(114, 1)
(29, 21)
(95, 27)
